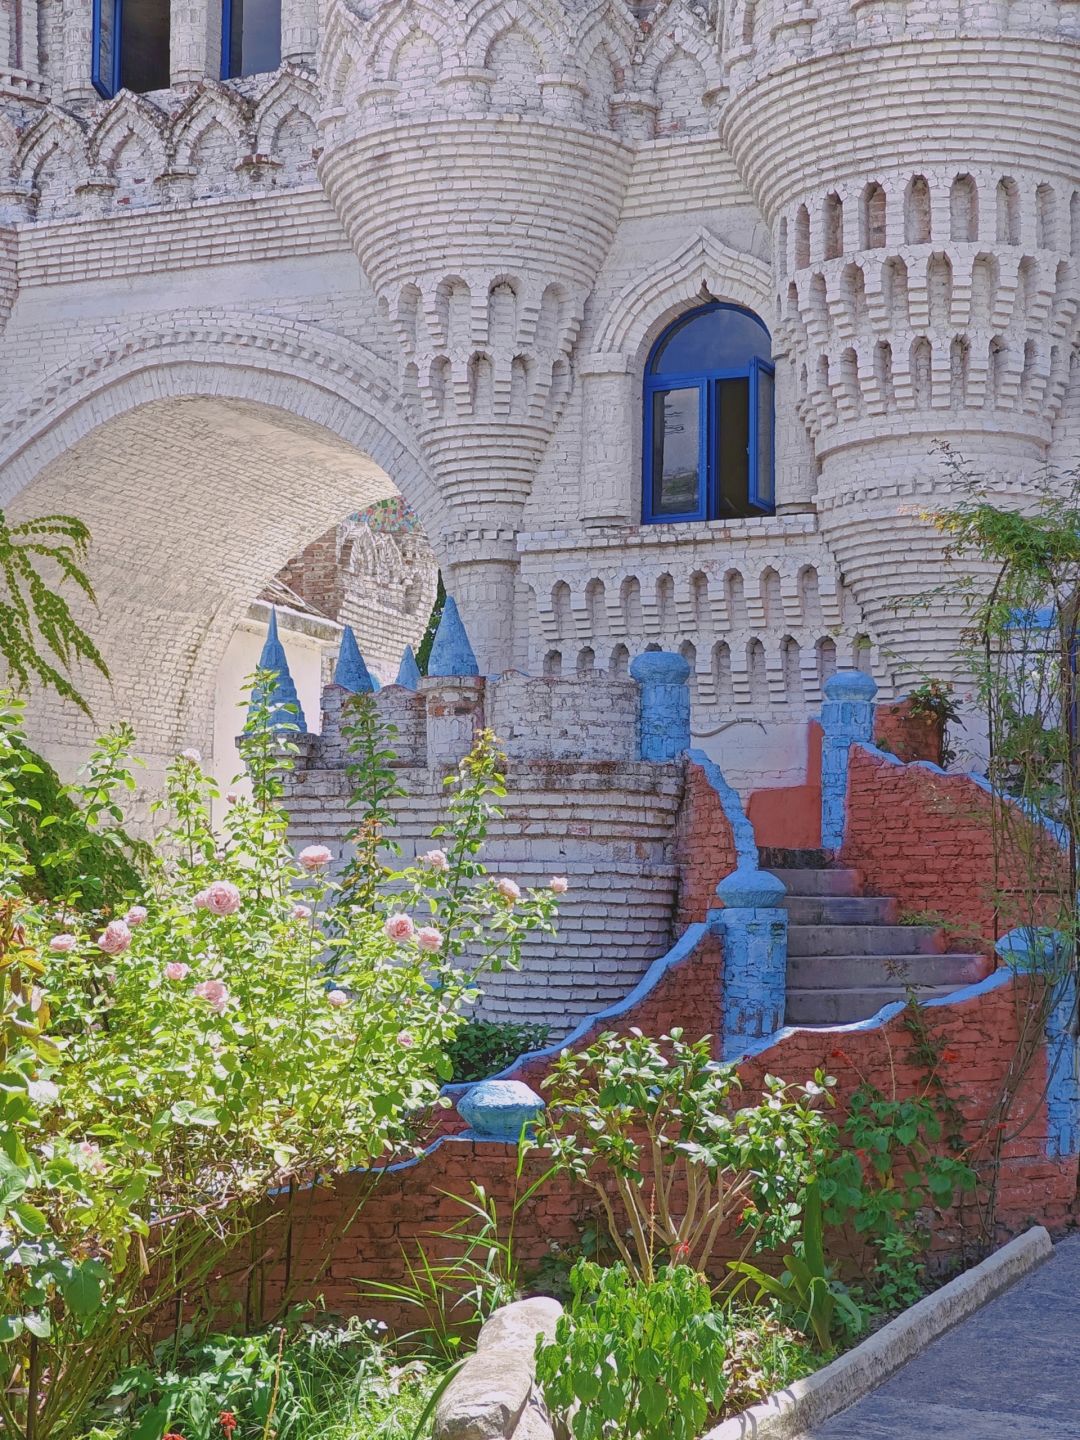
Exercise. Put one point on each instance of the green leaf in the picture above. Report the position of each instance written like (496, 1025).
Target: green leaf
(29, 1218)
(38, 1323)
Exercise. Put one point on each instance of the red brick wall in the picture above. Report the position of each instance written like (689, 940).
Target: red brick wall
(928, 839)
(363, 1230)
(910, 736)
(704, 848)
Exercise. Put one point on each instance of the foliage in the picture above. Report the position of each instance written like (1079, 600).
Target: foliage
(158, 1079)
(79, 856)
(485, 1047)
(454, 1294)
(936, 700)
(297, 1381)
(32, 610)
(423, 651)
(658, 1121)
(808, 1292)
(635, 1359)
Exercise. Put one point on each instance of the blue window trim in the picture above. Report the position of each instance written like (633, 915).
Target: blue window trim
(106, 85)
(708, 503)
(226, 39)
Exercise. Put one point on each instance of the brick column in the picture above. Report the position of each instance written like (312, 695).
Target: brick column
(753, 925)
(78, 52)
(194, 41)
(665, 704)
(847, 718)
(299, 30)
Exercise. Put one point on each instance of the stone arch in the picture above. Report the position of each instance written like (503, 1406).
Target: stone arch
(290, 94)
(680, 87)
(541, 25)
(212, 106)
(237, 439)
(705, 268)
(129, 120)
(51, 158)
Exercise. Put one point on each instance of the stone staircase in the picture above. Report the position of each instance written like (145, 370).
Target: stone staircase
(847, 956)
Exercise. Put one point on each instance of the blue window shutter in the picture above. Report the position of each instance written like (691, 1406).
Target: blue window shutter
(105, 60)
(762, 447)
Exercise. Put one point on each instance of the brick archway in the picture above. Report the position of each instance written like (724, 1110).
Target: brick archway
(201, 464)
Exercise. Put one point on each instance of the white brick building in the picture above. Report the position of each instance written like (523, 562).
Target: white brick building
(433, 251)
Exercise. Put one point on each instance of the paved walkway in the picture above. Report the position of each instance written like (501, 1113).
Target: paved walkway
(1011, 1372)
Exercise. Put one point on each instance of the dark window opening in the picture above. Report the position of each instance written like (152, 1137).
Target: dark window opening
(131, 46)
(709, 419)
(250, 37)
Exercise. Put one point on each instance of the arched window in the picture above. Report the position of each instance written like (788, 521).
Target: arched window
(709, 418)
(131, 46)
(250, 37)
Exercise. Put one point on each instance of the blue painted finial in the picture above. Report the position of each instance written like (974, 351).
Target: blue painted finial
(282, 691)
(408, 675)
(350, 672)
(500, 1110)
(451, 650)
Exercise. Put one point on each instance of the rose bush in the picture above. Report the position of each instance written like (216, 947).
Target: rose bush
(159, 1076)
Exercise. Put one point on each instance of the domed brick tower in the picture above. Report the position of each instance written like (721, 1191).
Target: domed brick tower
(474, 162)
(918, 162)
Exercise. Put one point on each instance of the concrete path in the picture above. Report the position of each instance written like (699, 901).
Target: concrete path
(1011, 1372)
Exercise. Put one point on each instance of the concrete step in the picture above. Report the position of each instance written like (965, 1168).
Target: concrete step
(845, 1007)
(840, 910)
(771, 857)
(864, 940)
(819, 882)
(861, 972)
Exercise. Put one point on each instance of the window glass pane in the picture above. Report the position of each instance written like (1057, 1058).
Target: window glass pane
(255, 37)
(732, 446)
(144, 45)
(676, 451)
(765, 490)
(720, 339)
(104, 44)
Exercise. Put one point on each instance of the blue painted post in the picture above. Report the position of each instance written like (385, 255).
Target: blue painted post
(499, 1110)
(1031, 950)
(351, 672)
(665, 704)
(281, 691)
(847, 718)
(408, 675)
(753, 927)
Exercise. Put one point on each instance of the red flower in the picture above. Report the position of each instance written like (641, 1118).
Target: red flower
(839, 1055)
(949, 1057)
(228, 1422)
(682, 1251)
(172, 1435)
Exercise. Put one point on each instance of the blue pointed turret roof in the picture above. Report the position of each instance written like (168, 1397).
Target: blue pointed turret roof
(451, 650)
(408, 675)
(282, 691)
(351, 672)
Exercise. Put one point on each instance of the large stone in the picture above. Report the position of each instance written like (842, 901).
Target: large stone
(486, 1398)
(520, 1323)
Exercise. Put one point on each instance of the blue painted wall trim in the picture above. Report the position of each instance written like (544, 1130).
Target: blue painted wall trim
(1029, 950)
(745, 846)
(657, 971)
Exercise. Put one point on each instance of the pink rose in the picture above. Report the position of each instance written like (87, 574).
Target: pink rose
(428, 938)
(337, 998)
(301, 912)
(314, 857)
(558, 885)
(191, 756)
(90, 1157)
(436, 859)
(215, 993)
(176, 970)
(508, 889)
(405, 1040)
(222, 898)
(116, 937)
(231, 797)
(63, 944)
(202, 900)
(135, 916)
(399, 928)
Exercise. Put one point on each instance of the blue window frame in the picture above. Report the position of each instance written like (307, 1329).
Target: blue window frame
(708, 401)
(131, 46)
(250, 37)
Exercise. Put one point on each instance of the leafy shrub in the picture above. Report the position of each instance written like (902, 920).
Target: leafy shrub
(241, 1030)
(484, 1047)
(635, 1359)
(659, 1121)
(296, 1382)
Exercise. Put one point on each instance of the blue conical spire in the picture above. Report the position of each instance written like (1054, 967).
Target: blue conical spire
(451, 650)
(350, 672)
(282, 691)
(408, 675)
